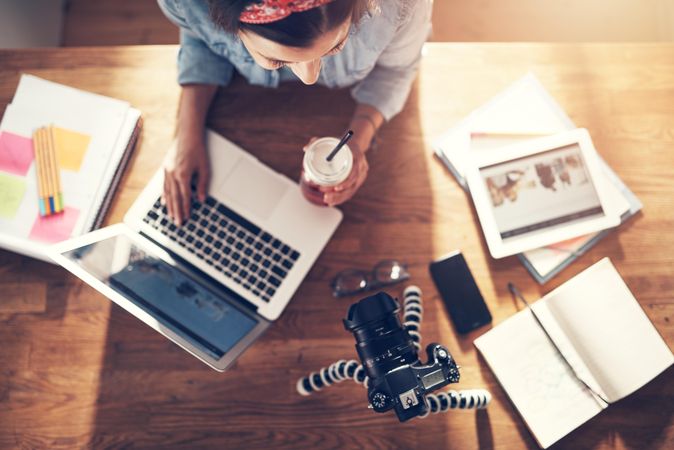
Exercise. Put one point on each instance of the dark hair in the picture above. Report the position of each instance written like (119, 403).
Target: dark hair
(298, 29)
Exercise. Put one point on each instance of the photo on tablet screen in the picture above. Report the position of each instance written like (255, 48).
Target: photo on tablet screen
(540, 192)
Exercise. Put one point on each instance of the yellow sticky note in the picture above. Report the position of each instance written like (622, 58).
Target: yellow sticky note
(71, 147)
(12, 190)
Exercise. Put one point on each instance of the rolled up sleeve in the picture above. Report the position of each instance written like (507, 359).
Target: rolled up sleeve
(388, 85)
(197, 64)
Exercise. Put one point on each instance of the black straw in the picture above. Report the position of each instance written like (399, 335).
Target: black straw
(339, 146)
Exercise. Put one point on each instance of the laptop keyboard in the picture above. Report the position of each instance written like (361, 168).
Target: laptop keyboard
(231, 244)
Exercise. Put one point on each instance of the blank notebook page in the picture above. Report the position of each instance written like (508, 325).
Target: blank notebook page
(609, 330)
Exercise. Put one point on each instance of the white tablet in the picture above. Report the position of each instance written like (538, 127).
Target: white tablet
(540, 192)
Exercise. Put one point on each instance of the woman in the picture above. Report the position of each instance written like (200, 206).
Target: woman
(373, 46)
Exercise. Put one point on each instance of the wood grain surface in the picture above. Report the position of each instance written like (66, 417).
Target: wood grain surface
(78, 372)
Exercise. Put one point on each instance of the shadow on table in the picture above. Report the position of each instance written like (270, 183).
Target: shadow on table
(485, 437)
(18, 269)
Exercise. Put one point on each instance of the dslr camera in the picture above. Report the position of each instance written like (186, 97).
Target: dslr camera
(397, 378)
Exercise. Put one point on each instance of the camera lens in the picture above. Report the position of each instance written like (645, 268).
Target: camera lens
(381, 341)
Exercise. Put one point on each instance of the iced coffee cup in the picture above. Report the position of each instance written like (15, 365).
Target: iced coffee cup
(318, 172)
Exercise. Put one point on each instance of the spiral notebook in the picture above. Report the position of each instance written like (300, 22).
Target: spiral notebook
(95, 137)
(601, 331)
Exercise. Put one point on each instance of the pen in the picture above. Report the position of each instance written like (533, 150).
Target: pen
(516, 292)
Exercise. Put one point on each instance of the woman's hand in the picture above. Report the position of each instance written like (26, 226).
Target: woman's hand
(336, 195)
(188, 158)
(365, 122)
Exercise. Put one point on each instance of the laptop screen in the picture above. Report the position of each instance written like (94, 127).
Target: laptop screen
(177, 301)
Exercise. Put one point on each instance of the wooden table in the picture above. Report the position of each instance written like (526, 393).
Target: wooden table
(76, 371)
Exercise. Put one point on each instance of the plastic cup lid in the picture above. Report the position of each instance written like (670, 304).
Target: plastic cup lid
(323, 171)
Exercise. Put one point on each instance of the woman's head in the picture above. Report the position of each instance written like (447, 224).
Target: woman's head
(298, 40)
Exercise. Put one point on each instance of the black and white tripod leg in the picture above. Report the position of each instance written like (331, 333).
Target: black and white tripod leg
(465, 399)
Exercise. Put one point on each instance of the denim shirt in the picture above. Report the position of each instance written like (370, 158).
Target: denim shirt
(379, 60)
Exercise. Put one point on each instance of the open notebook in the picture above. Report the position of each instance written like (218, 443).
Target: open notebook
(603, 333)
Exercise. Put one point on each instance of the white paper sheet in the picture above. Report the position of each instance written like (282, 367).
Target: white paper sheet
(609, 330)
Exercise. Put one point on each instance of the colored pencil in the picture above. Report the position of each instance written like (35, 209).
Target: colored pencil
(39, 171)
(45, 174)
(49, 172)
(58, 193)
(57, 173)
(49, 206)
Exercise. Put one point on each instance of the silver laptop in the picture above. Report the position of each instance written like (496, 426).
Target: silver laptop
(214, 284)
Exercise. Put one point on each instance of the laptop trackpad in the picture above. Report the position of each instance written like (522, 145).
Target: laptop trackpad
(253, 187)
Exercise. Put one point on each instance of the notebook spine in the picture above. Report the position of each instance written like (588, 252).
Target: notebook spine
(116, 178)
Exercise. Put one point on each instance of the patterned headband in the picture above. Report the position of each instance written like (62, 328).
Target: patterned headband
(267, 11)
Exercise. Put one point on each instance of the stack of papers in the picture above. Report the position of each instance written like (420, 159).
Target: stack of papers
(94, 138)
(525, 110)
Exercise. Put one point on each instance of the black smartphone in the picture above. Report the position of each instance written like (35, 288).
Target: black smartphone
(459, 292)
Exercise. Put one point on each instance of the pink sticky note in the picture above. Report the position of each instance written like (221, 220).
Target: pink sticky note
(54, 228)
(16, 153)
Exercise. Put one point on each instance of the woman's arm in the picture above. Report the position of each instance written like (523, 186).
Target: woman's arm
(388, 85)
(383, 93)
(365, 122)
(189, 157)
(200, 72)
(195, 100)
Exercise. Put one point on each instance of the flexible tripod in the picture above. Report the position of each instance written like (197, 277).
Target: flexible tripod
(351, 370)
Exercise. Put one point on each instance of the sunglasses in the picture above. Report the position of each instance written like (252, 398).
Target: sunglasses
(354, 281)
